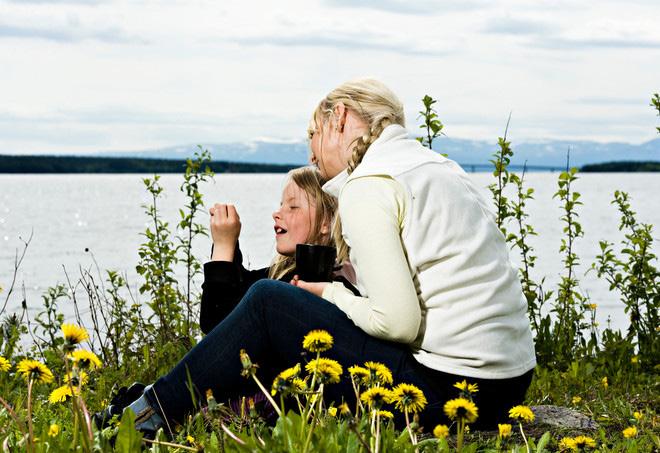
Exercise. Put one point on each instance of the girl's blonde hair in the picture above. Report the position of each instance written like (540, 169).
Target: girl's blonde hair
(309, 180)
(377, 106)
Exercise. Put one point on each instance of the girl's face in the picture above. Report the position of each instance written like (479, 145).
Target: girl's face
(293, 220)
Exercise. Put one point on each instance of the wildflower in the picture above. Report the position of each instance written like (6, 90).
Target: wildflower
(62, 394)
(283, 383)
(317, 341)
(408, 398)
(344, 409)
(249, 368)
(634, 359)
(592, 306)
(85, 359)
(441, 431)
(582, 442)
(505, 430)
(604, 382)
(360, 373)
(462, 409)
(299, 385)
(54, 430)
(576, 399)
(376, 396)
(31, 369)
(567, 443)
(4, 364)
(74, 334)
(521, 413)
(379, 373)
(638, 415)
(465, 387)
(327, 371)
(332, 411)
(386, 414)
(76, 379)
(630, 432)
(190, 439)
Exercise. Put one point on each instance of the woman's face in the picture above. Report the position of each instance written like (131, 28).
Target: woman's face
(293, 220)
(328, 154)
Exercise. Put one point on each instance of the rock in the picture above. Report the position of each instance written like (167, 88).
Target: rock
(562, 417)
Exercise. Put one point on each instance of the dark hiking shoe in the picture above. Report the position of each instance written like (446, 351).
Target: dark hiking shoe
(121, 400)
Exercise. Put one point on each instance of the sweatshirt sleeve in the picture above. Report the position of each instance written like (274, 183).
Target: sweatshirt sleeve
(372, 210)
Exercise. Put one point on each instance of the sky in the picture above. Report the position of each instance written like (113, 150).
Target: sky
(80, 76)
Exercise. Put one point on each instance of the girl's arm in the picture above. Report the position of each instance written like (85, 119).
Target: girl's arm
(372, 210)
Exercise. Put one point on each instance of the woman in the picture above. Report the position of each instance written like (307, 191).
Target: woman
(441, 302)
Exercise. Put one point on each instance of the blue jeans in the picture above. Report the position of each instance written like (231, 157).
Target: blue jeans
(270, 323)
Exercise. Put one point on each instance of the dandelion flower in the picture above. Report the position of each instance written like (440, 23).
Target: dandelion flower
(74, 334)
(592, 306)
(379, 373)
(634, 359)
(317, 341)
(576, 399)
(386, 414)
(54, 430)
(441, 431)
(604, 382)
(283, 383)
(521, 413)
(62, 394)
(328, 371)
(408, 397)
(638, 415)
(465, 387)
(76, 379)
(462, 409)
(85, 359)
(32, 369)
(190, 439)
(504, 429)
(582, 442)
(567, 443)
(375, 397)
(344, 409)
(630, 432)
(332, 411)
(4, 364)
(360, 373)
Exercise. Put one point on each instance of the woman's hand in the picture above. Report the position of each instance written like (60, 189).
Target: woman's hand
(225, 229)
(315, 288)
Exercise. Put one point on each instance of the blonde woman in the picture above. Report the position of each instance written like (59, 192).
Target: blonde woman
(441, 302)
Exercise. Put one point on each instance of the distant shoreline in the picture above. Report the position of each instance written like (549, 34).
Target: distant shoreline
(41, 164)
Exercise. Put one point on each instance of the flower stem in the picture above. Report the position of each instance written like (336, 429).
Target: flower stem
(265, 392)
(29, 416)
(523, 436)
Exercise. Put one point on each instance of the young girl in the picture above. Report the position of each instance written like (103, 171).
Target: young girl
(441, 301)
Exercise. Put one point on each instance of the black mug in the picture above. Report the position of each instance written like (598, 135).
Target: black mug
(315, 263)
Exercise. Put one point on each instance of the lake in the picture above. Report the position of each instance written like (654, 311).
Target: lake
(102, 213)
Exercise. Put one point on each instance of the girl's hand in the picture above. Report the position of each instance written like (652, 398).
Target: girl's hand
(315, 288)
(225, 229)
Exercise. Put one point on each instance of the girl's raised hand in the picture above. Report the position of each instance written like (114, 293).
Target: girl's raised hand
(225, 229)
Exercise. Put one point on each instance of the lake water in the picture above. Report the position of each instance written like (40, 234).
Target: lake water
(67, 214)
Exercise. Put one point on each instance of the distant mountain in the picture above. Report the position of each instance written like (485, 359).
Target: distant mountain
(550, 153)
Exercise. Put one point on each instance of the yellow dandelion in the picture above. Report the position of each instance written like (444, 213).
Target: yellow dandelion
(190, 439)
(62, 394)
(504, 429)
(630, 432)
(344, 409)
(408, 398)
(576, 399)
(283, 383)
(359, 373)
(32, 369)
(582, 442)
(638, 415)
(375, 397)
(74, 334)
(379, 373)
(604, 382)
(85, 359)
(441, 431)
(462, 409)
(5, 365)
(54, 430)
(521, 413)
(592, 306)
(634, 359)
(317, 341)
(332, 411)
(567, 443)
(386, 415)
(328, 371)
(465, 387)
(76, 379)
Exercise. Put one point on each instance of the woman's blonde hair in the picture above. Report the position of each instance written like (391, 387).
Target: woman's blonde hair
(309, 180)
(377, 106)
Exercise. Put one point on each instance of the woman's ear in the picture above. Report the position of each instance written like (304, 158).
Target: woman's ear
(340, 114)
(325, 227)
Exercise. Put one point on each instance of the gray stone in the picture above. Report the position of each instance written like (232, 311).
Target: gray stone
(562, 417)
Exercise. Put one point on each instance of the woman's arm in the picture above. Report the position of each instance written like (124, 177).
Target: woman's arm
(372, 210)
